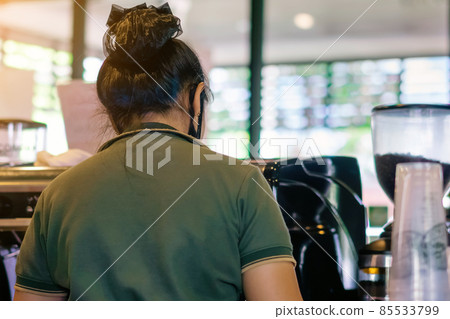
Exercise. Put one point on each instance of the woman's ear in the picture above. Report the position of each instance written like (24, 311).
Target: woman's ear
(196, 104)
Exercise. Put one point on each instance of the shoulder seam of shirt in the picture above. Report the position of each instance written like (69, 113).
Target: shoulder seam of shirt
(243, 181)
(238, 196)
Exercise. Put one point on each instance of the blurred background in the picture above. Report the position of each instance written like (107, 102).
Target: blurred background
(325, 64)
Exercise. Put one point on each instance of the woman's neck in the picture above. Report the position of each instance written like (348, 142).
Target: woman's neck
(177, 121)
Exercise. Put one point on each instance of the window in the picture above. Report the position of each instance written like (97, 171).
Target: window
(51, 67)
(228, 115)
(329, 103)
(425, 80)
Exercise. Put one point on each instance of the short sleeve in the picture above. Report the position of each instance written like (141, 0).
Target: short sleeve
(33, 275)
(264, 236)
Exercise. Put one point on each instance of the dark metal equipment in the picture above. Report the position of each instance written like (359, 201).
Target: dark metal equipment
(321, 203)
(375, 261)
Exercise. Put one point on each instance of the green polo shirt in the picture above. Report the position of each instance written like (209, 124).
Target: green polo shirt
(110, 228)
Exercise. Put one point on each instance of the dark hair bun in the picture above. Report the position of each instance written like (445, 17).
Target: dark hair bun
(139, 33)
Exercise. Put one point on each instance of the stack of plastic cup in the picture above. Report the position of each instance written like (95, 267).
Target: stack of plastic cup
(419, 240)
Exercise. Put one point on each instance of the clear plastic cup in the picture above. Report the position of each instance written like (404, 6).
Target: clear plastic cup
(419, 241)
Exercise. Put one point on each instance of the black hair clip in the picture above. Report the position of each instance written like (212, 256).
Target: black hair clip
(117, 12)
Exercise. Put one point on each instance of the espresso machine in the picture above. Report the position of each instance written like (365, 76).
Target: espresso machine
(401, 133)
(320, 199)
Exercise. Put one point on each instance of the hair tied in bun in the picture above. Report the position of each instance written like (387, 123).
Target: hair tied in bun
(136, 34)
(117, 12)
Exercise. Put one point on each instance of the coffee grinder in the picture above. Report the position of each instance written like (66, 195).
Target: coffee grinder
(401, 133)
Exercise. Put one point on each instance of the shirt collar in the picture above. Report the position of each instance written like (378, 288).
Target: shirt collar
(152, 125)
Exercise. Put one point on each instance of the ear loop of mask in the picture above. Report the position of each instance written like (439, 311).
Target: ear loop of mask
(197, 133)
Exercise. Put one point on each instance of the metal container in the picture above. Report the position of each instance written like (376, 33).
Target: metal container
(375, 261)
(20, 141)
